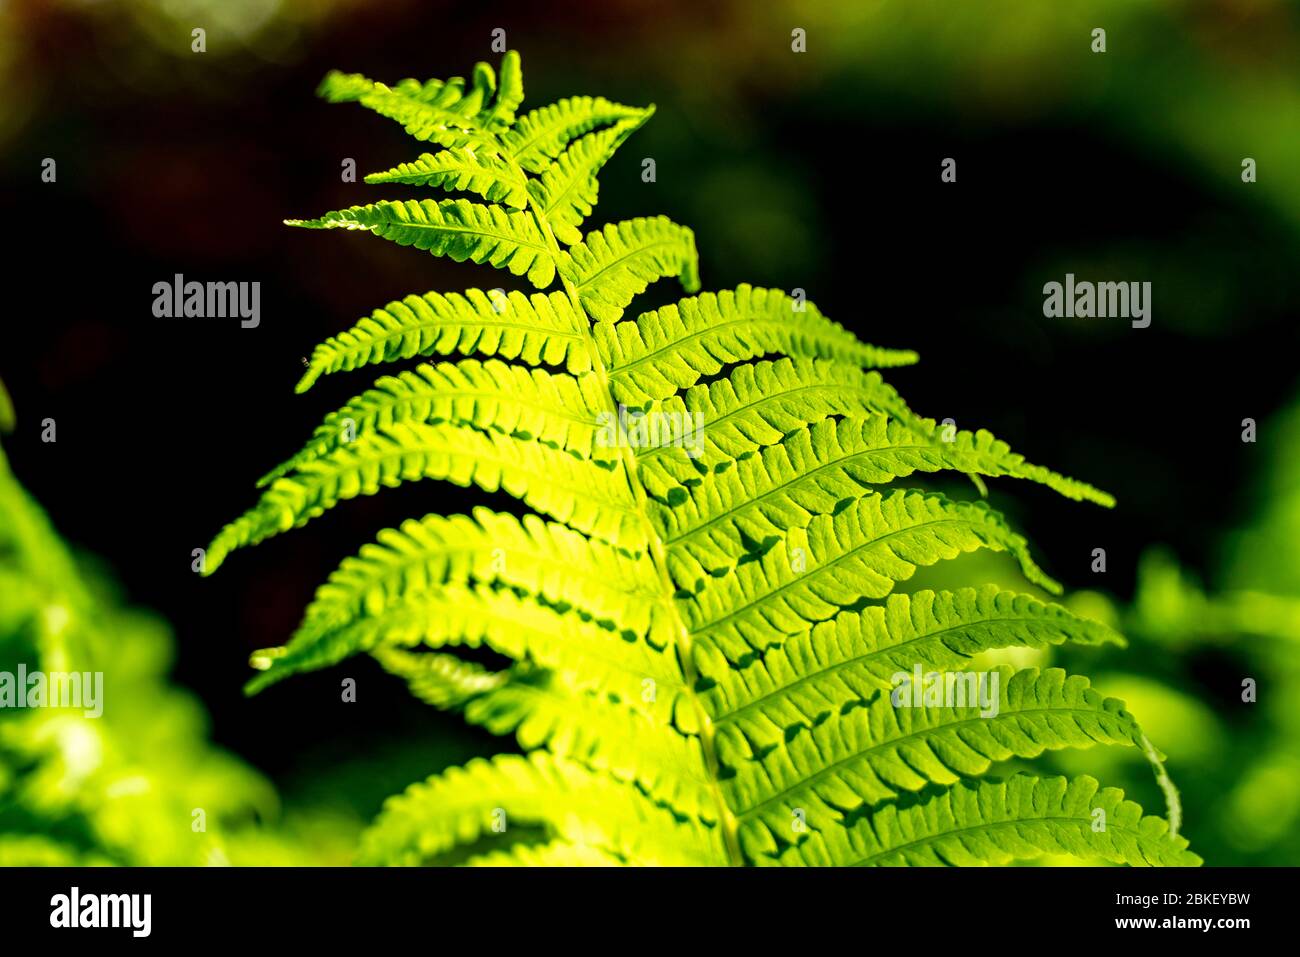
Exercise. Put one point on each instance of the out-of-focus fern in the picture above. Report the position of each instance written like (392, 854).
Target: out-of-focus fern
(121, 788)
(1215, 664)
(704, 622)
(6, 410)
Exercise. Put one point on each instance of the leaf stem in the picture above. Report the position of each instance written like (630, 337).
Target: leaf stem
(727, 821)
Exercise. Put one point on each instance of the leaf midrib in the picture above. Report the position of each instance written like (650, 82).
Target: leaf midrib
(657, 553)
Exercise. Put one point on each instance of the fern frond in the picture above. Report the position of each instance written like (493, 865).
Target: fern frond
(984, 454)
(1000, 822)
(540, 136)
(551, 797)
(486, 174)
(547, 560)
(455, 228)
(754, 407)
(815, 468)
(591, 655)
(590, 498)
(704, 641)
(566, 192)
(537, 330)
(509, 92)
(748, 598)
(615, 264)
(435, 112)
(845, 753)
(442, 680)
(855, 654)
(672, 348)
(555, 410)
(439, 111)
(619, 738)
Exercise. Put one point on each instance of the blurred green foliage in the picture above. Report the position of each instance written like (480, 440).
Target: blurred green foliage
(1214, 671)
(124, 787)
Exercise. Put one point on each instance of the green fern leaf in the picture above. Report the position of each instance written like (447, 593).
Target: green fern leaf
(582, 493)
(455, 228)
(614, 264)
(592, 655)
(629, 743)
(674, 347)
(548, 560)
(558, 798)
(704, 642)
(435, 112)
(488, 175)
(1000, 822)
(746, 597)
(540, 136)
(537, 330)
(509, 91)
(813, 468)
(526, 403)
(855, 654)
(442, 680)
(755, 407)
(566, 192)
(863, 753)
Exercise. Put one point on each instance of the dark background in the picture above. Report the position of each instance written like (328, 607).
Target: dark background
(818, 171)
